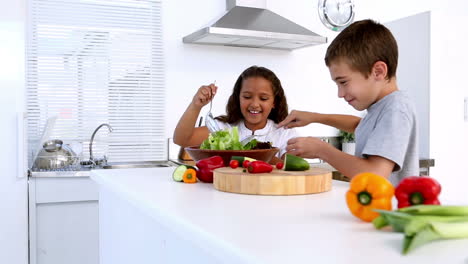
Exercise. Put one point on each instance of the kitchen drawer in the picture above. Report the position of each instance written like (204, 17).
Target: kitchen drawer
(67, 189)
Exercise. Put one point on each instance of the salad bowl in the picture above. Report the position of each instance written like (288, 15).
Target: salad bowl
(259, 154)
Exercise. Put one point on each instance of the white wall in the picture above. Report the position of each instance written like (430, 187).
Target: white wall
(449, 132)
(13, 191)
(449, 41)
(413, 73)
(303, 73)
(306, 78)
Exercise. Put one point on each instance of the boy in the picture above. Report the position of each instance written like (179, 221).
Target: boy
(362, 61)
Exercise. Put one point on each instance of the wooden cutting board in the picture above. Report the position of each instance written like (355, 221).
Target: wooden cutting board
(278, 182)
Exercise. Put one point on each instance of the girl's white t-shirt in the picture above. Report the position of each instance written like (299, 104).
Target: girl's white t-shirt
(277, 136)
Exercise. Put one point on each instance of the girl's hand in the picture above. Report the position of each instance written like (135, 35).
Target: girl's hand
(305, 147)
(204, 95)
(297, 119)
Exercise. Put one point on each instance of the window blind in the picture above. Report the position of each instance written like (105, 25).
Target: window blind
(95, 61)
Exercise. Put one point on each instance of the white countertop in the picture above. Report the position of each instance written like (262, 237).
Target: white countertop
(269, 229)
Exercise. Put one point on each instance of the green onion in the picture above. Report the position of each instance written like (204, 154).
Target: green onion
(424, 223)
(442, 210)
(435, 231)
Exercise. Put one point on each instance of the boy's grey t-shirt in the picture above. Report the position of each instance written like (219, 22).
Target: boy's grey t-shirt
(389, 130)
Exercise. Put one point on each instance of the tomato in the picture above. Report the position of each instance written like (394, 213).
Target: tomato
(234, 164)
(279, 165)
(245, 164)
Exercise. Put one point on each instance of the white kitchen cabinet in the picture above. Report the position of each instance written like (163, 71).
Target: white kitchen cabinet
(63, 220)
(147, 218)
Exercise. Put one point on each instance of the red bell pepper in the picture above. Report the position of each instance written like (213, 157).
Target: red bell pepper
(206, 167)
(417, 190)
(259, 166)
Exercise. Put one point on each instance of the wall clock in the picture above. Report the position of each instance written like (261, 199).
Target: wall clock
(336, 14)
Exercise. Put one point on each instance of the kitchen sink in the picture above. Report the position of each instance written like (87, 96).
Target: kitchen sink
(84, 170)
(138, 164)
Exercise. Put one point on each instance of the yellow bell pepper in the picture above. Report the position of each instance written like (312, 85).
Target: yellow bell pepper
(369, 191)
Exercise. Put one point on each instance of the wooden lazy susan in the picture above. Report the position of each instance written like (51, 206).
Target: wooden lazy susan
(278, 182)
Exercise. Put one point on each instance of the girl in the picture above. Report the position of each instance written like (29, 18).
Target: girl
(257, 104)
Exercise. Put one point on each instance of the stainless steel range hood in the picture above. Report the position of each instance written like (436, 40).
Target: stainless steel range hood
(247, 23)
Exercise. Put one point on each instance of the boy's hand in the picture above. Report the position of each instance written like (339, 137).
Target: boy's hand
(305, 147)
(297, 119)
(204, 95)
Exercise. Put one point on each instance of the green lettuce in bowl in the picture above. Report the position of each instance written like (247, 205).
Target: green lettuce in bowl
(226, 140)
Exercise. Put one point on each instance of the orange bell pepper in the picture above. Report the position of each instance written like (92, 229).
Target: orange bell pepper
(190, 176)
(369, 191)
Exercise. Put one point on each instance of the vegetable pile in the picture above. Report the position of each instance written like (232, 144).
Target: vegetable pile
(420, 216)
(205, 167)
(203, 171)
(291, 163)
(185, 173)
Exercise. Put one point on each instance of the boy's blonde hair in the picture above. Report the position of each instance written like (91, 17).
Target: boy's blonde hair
(361, 45)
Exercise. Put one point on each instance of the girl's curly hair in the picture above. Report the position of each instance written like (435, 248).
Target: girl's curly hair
(233, 111)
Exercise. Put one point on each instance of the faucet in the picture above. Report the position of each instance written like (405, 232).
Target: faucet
(91, 158)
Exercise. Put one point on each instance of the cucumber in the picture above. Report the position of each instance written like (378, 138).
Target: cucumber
(178, 173)
(295, 163)
(241, 159)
